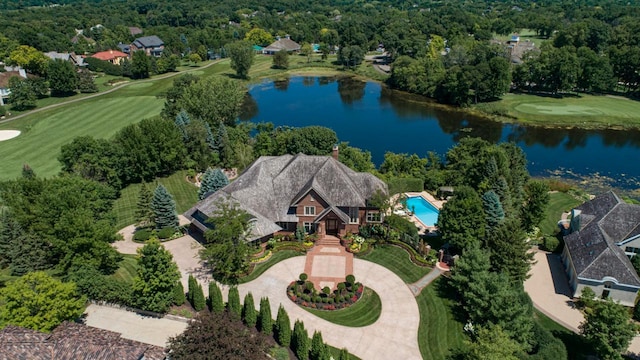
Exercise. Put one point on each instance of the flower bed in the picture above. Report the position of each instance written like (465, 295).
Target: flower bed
(265, 256)
(303, 293)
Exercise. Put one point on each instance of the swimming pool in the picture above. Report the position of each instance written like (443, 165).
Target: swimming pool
(423, 210)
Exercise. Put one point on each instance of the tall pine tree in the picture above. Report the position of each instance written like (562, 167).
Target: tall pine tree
(300, 340)
(494, 214)
(182, 120)
(249, 315)
(264, 318)
(144, 214)
(319, 349)
(233, 302)
(283, 327)
(164, 208)
(216, 303)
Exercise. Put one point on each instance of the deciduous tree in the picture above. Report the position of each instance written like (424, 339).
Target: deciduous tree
(461, 220)
(217, 336)
(281, 59)
(537, 198)
(258, 36)
(226, 250)
(154, 285)
(242, 57)
(39, 302)
(62, 77)
(140, 65)
(217, 100)
(22, 96)
(608, 328)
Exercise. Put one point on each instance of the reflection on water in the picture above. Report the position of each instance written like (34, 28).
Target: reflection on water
(371, 116)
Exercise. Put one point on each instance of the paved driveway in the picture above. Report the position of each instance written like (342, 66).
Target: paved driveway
(393, 336)
(132, 326)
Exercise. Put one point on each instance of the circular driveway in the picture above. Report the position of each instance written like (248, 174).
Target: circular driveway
(393, 336)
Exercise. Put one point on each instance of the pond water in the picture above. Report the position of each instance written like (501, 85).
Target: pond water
(370, 116)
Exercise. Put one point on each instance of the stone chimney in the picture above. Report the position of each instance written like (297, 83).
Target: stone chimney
(335, 152)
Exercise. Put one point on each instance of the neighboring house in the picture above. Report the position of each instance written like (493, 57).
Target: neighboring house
(76, 60)
(282, 193)
(4, 83)
(125, 48)
(71, 341)
(152, 45)
(112, 56)
(602, 234)
(134, 30)
(281, 44)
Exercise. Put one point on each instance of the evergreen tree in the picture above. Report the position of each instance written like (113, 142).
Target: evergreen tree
(199, 301)
(140, 65)
(144, 214)
(249, 315)
(319, 349)
(164, 208)
(10, 231)
(178, 294)
(182, 120)
(300, 341)
(212, 181)
(537, 194)
(494, 214)
(205, 184)
(265, 320)
(86, 83)
(474, 261)
(192, 284)
(216, 303)
(509, 250)
(223, 146)
(62, 77)
(153, 288)
(28, 253)
(283, 327)
(233, 302)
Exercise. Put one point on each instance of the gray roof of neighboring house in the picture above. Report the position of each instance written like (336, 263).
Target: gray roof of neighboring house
(148, 42)
(604, 221)
(125, 48)
(56, 55)
(283, 44)
(270, 186)
(72, 341)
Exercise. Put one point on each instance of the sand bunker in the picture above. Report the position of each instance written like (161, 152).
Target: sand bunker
(8, 134)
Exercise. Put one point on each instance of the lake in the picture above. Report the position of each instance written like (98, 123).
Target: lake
(370, 116)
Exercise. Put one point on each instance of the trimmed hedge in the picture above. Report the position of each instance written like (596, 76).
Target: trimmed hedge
(142, 235)
(413, 254)
(166, 233)
(400, 185)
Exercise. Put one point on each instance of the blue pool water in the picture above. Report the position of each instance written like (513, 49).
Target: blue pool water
(423, 210)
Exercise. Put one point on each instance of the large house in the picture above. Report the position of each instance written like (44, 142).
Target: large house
(281, 44)
(5, 91)
(602, 235)
(152, 45)
(70, 341)
(76, 60)
(112, 56)
(282, 193)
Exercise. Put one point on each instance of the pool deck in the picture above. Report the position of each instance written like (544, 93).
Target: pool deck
(431, 199)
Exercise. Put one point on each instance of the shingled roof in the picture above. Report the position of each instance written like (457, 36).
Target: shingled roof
(148, 42)
(283, 44)
(605, 221)
(271, 185)
(71, 341)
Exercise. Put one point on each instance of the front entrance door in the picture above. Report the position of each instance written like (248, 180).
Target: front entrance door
(332, 227)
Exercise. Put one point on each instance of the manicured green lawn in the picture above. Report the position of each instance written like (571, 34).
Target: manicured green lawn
(259, 269)
(440, 331)
(559, 202)
(577, 347)
(184, 193)
(45, 132)
(398, 261)
(364, 312)
(128, 268)
(584, 111)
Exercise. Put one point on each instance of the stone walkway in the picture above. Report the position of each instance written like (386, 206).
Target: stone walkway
(416, 287)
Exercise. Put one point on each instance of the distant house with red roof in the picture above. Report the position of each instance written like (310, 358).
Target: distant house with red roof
(112, 56)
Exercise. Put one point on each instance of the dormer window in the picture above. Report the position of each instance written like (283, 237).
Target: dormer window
(309, 210)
